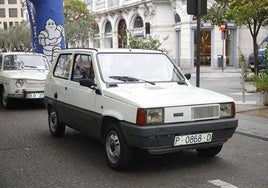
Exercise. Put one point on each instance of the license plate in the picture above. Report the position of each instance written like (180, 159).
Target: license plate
(192, 139)
(35, 95)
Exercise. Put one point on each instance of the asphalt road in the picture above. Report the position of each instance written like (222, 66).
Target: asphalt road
(30, 157)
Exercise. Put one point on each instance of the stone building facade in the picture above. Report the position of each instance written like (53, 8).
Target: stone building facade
(116, 18)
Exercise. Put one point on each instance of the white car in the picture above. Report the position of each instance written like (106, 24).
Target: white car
(135, 99)
(22, 76)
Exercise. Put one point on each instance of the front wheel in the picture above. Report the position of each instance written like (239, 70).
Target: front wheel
(6, 102)
(118, 152)
(56, 128)
(209, 152)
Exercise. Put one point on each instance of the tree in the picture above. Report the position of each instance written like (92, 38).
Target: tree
(17, 37)
(151, 43)
(78, 22)
(252, 13)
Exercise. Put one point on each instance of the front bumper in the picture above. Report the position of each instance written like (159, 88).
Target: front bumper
(27, 94)
(160, 139)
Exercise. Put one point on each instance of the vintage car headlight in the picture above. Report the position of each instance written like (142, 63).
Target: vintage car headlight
(227, 110)
(19, 83)
(151, 116)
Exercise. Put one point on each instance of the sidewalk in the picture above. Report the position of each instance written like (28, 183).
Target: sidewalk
(228, 82)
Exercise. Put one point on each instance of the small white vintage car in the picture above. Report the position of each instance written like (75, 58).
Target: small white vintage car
(135, 99)
(22, 76)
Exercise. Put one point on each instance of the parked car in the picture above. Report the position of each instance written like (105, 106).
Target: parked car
(262, 59)
(132, 99)
(22, 76)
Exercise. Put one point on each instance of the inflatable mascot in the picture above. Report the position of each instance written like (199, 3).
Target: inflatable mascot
(47, 24)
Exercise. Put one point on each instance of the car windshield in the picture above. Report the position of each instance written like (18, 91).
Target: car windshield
(25, 61)
(263, 45)
(137, 67)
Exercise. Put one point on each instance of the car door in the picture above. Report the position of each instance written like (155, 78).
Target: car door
(58, 85)
(81, 99)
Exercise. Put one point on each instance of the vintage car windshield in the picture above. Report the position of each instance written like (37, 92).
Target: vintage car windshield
(25, 61)
(137, 67)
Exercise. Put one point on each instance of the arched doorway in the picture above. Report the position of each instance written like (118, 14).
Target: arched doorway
(122, 34)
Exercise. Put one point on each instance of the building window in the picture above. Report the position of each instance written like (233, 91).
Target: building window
(138, 22)
(108, 35)
(108, 28)
(13, 13)
(12, 1)
(2, 13)
(10, 24)
(177, 19)
(138, 30)
(2, 1)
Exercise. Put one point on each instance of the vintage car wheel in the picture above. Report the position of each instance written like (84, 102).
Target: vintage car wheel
(56, 128)
(118, 153)
(209, 152)
(6, 102)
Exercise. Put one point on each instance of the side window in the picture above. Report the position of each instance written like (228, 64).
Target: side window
(63, 66)
(82, 67)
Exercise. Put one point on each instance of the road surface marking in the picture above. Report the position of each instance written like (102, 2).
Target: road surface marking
(222, 184)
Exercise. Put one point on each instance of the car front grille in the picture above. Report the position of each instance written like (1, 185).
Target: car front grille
(35, 84)
(205, 112)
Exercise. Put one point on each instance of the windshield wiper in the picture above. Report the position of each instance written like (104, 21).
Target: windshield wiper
(30, 66)
(130, 79)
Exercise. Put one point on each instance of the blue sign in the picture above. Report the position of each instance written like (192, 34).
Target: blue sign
(47, 24)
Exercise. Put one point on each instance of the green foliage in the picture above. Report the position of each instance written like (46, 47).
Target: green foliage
(241, 12)
(248, 12)
(244, 66)
(79, 23)
(217, 12)
(151, 43)
(261, 82)
(16, 38)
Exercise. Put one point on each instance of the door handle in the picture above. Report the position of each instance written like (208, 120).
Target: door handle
(55, 95)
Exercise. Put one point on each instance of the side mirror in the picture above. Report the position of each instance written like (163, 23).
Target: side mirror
(188, 76)
(88, 83)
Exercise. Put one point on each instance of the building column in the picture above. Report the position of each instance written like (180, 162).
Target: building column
(186, 62)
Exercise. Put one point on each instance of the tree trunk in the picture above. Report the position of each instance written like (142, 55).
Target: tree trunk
(255, 50)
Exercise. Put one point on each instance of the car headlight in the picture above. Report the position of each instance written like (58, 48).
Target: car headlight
(227, 110)
(151, 116)
(19, 83)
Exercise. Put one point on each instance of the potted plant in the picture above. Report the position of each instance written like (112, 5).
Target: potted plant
(261, 83)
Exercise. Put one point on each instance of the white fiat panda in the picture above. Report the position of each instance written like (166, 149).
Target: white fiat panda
(131, 99)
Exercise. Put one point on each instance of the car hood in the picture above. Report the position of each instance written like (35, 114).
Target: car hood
(27, 74)
(164, 95)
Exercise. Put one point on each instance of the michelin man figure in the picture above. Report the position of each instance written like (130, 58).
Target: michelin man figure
(50, 39)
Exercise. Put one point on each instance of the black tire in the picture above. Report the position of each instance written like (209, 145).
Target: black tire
(56, 128)
(118, 152)
(6, 101)
(209, 152)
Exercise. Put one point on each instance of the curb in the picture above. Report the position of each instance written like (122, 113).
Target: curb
(252, 135)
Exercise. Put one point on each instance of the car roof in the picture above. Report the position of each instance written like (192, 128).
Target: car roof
(109, 50)
(20, 53)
